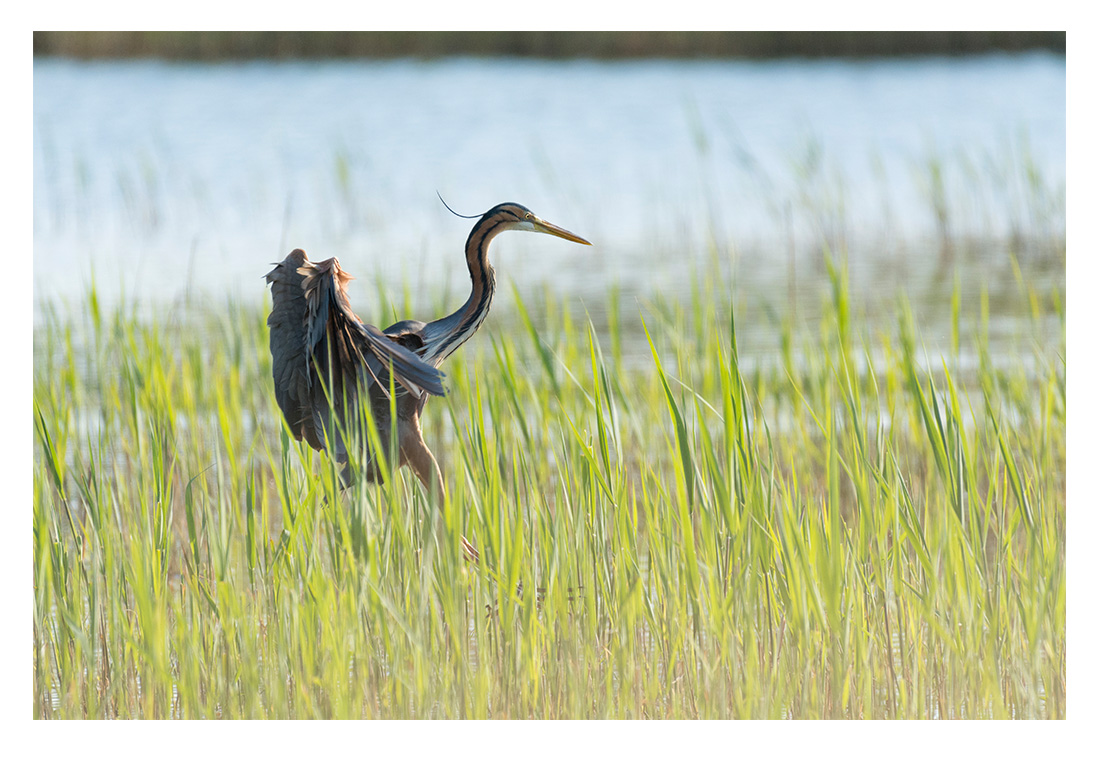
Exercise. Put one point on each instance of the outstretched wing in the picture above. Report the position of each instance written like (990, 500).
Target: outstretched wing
(316, 340)
(289, 357)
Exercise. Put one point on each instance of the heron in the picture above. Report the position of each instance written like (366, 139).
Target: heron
(324, 358)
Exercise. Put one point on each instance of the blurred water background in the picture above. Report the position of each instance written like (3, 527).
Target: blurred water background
(184, 180)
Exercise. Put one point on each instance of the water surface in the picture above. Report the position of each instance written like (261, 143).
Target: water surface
(167, 179)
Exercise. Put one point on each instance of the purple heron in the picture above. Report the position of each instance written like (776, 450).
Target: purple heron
(324, 357)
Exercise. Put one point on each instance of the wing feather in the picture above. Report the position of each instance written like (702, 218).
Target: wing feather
(319, 346)
(289, 356)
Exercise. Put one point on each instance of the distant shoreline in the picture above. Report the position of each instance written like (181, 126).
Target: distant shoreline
(213, 46)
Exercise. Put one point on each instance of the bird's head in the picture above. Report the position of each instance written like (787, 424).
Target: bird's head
(513, 216)
(510, 216)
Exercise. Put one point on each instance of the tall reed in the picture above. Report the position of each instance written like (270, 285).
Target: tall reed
(844, 524)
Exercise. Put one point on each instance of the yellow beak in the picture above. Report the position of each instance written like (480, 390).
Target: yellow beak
(556, 231)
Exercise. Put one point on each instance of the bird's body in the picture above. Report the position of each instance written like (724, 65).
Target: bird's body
(324, 357)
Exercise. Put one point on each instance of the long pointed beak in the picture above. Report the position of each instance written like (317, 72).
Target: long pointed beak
(556, 231)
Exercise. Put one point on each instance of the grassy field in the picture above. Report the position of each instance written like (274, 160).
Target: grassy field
(843, 525)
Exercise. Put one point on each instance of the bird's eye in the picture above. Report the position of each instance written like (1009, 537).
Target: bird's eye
(529, 217)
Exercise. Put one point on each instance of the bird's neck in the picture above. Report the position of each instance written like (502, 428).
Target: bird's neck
(464, 322)
(483, 284)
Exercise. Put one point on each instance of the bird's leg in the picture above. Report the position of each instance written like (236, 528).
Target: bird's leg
(419, 457)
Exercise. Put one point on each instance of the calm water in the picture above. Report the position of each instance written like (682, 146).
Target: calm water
(173, 178)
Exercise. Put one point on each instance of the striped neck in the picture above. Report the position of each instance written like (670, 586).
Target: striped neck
(445, 335)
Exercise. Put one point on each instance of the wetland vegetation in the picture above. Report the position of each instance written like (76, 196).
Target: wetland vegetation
(845, 526)
(822, 478)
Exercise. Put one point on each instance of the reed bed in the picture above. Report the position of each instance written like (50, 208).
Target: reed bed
(844, 525)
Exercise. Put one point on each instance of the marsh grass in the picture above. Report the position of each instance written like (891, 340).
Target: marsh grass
(844, 525)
